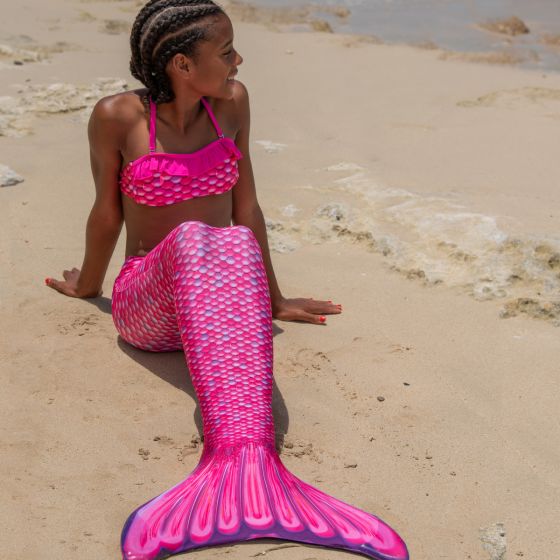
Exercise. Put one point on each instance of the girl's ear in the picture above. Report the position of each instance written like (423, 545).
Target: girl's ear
(180, 64)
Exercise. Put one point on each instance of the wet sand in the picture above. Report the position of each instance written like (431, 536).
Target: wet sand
(420, 193)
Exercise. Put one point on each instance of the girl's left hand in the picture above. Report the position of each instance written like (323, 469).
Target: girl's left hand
(308, 310)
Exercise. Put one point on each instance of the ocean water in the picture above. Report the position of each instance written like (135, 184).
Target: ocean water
(430, 239)
(449, 24)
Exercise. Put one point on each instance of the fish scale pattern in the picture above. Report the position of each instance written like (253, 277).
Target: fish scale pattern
(161, 179)
(205, 290)
(165, 186)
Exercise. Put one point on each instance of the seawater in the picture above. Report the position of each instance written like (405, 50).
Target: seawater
(449, 24)
(431, 239)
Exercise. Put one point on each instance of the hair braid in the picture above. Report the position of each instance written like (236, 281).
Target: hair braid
(162, 29)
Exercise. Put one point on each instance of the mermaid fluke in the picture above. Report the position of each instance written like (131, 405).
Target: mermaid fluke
(240, 490)
(249, 494)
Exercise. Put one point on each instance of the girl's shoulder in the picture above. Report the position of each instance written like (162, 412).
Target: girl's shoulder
(122, 108)
(230, 113)
(116, 115)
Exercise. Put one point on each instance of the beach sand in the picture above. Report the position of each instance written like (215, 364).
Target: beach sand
(420, 193)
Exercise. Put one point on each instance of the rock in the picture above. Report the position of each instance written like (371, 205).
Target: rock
(380, 398)
(290, 210)
(350, 465)
(8, 177)
(511, 26)
(493, 541)
(332, 210)
(321, 25)
(551, 40)
(114, 26)
(20, 55)
(270, 146)
(16, 113)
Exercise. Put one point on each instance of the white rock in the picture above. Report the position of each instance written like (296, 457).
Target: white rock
(333, 210)
(290, 210)
(493, 540)
(271, 147)
(16, 112)
(8, 177)
(344, 166)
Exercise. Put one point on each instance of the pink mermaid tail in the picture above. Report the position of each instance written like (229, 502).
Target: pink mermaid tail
(205, 289)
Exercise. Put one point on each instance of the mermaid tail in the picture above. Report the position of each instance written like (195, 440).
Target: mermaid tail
(211, 282)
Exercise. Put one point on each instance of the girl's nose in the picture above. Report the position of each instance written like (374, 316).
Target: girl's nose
(239, 59)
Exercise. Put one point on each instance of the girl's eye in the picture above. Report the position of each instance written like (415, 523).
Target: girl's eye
(228, 53)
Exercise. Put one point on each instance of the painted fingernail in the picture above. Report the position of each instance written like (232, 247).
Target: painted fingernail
(322, 318)
(47, 281)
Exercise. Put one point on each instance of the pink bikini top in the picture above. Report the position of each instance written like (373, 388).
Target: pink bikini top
(161, 179)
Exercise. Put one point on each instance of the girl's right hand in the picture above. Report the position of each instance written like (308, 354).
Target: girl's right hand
(68, 286)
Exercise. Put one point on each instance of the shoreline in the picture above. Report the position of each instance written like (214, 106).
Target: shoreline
(492, 40)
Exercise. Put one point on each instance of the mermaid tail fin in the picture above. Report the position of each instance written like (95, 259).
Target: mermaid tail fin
(243, 493)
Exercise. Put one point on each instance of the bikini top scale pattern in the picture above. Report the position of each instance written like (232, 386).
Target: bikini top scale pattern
(161, 179)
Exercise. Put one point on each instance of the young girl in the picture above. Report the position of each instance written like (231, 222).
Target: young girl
(191, 280)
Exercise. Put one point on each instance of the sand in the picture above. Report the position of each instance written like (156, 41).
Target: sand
(421, 193)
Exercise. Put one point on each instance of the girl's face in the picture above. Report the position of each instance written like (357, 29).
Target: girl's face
(216, 65)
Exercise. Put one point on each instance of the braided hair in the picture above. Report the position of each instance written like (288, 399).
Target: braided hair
(162, 29)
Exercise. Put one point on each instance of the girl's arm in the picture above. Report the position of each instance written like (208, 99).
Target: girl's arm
(247, 212)
(105, 130)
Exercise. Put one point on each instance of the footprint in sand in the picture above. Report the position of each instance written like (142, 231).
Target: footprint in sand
(300, 449)
(399, 348)
(191, 448)
(309, 363)
(80, 326)
(164, 440)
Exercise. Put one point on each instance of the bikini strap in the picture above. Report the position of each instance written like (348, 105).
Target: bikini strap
(212, 117)
(152, 126)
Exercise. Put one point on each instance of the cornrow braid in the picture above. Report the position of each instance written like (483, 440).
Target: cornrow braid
(162, 29)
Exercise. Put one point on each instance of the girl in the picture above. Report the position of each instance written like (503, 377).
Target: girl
(191, 280)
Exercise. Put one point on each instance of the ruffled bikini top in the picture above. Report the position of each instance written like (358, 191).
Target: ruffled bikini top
(161, 179)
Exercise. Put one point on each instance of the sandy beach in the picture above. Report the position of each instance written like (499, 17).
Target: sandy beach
(420, 191)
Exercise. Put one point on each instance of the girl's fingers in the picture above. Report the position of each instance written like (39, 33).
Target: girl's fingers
(319, 307)
(52, 283)
(311, 318)
(69, 273)
(59, 286)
